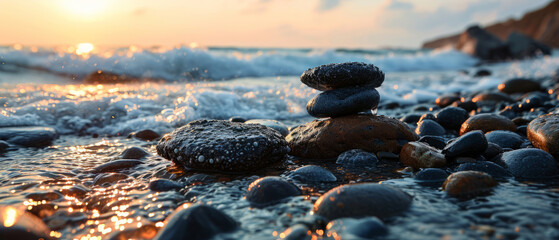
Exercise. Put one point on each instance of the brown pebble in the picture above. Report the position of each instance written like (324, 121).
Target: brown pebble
(328, 138)
(487, 122)
(468, 183)
(147, 135)
(420, 155)
(543, 133)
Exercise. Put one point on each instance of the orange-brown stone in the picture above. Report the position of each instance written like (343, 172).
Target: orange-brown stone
(468, 183)
(487, 122)
(420, 155)
(543, 132)
(327, 138)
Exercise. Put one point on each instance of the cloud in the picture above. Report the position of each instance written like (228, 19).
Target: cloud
(326, 5)
(399, 5)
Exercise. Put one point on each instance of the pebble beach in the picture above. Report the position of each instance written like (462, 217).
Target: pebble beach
(333, 145)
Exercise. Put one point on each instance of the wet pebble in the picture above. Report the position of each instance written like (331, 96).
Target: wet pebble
(519, 85)
(146, 135)
(491, 98)
(471, 144)
(362, 200)
(505, 139)
(530, 163)
(338, 75)
(273, 124)
(467, 105)
(487, 122)
(357, 158)
(343, 101)
(163, 185)
(543, 133)
(28, 136)
(490, 168)
(433, 141)
(451, 117)
(133, 153)
(17, 224)
(196, 222)
(411, 118)
(447, 99)
(421, 155)
(482, 73)
(312, 174)
(363, 228)
(468, 183)
(116, 165)
(429, 127)
(237, 119)
(108, 178)
(270, 190)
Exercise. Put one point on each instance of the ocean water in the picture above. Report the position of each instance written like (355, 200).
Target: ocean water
(43, 87)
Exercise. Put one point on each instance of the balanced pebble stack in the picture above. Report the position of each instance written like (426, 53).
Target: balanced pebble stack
(349, 89)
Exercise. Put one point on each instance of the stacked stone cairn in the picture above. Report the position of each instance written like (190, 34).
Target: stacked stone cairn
(348, 90)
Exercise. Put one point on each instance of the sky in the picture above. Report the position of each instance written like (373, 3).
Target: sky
(255, 23)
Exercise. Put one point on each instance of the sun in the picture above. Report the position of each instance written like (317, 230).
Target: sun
(85, 8)
(83, 49)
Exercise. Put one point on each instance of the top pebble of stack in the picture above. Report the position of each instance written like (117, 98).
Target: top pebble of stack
(339, 75)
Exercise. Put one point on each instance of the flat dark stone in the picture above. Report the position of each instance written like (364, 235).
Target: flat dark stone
(362, 200)
(28, 136)
(219, 145)
(163, 185)
(490, 168)
(519, 85)
(471, 144)
(343, 101)
(431, 175)
(116, 165)
(339, 75)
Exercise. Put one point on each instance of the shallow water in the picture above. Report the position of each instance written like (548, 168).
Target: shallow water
(513, 210)
(78, 112)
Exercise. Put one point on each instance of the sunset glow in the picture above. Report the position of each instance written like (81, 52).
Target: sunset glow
(83, 49)
(85, 7)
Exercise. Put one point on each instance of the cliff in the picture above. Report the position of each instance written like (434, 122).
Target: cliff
(541, 25)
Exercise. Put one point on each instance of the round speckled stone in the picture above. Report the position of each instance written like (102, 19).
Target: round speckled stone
(338, 75)
(219, 145)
